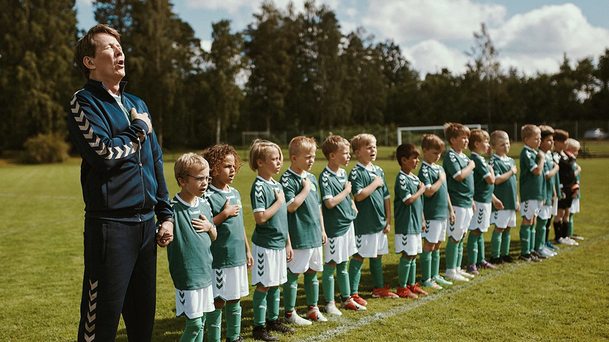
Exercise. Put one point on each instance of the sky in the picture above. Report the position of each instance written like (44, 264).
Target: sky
(530, 35)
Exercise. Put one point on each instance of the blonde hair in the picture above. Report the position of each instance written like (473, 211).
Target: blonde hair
(185, 163)
(529, 130)
(455, 130)
(260, 150)
(477, 135)
(332, 144)
(498, 136)
(301, 143)
(362, 140)
(572, 145)
(432, 142)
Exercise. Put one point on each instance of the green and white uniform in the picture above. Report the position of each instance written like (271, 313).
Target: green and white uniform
(371, 219)
(270, 238)
(229, 266)
(461, 192)
(304, 224)
(408, 218)
(190, 260)
(548, 188)
(506, 192)
(435, 207)
(531, 186)
(338, 221)
(483, 194)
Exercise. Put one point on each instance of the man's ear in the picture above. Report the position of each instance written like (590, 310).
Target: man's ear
(88, 62)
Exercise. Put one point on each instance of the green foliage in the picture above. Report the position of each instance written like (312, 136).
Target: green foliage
(46, 148)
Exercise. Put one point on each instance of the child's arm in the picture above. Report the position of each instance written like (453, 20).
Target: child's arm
(334, 201)
(301, 197)
(552, 172)
(451, 212)
(430, 191)
(289, 252)
(497, 203)
(387, 214)
(504, 177)
(248, 251)
(262, 216)
(490, 178)
(324, 237)
(229, 210)
(203, 225)
(368, 190)
(465, 172)
(416, 195)
(538, 169)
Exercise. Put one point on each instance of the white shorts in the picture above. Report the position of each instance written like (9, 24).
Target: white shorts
(545, 212)
(504, 218)
(372, 245)
(530, 208)
(463, 216)
(230, 283)
(436, 231)
(305, 259)
(574, 206)
(482, 217)
(554, 206)
(340, 248)
(269, 266)
(409, 243)
(194, 303)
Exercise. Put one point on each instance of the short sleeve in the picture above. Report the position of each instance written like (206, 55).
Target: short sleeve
(258, 197)
(324, 187)
(357, 181)
(451, 165)
(289, 187)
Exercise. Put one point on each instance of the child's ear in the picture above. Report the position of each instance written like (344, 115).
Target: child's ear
(259, 162)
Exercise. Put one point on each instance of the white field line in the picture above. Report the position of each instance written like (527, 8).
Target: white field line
(349, 324)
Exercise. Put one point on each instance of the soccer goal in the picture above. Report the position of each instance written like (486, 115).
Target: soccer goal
(248, 136)
(412, 134)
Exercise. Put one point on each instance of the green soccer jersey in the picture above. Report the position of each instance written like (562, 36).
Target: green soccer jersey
(305, 223)
(229, 247)
(506, 191)
(370, 217)
(338, 219)
(408, 218)
(548, 184)
(483, 192)
(273, 234)
(531, 185)
(435, 207)
(189, 254)
(461, 192)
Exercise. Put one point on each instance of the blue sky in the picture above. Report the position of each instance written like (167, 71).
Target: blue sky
(531, 35)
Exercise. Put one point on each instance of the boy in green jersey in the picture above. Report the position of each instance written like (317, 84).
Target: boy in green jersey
(306, 230)
(550, 169)
(460, 181)
(372, 222)
(189, 255)
(484, 184)
(531, 187)
(231, 249)
(338, 212)
(437, 209)
(409, 220)
(271, 246)
(505, 190)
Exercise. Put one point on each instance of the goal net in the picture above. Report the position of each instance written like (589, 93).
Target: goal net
(413, 134)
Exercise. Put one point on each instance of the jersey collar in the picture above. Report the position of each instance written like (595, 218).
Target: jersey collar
(186, 203)
(220, 190)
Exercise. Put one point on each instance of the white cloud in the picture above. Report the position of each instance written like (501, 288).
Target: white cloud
(231, 6)
(431, 56)
(408, 21)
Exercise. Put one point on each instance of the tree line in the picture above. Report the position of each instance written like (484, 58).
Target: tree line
(288, 70)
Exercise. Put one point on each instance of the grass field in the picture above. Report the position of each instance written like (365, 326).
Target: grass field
(564, 298)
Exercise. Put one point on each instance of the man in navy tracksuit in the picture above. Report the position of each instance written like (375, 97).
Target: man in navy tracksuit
(123, 188)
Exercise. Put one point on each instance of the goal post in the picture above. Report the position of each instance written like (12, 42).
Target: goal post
(439, 130)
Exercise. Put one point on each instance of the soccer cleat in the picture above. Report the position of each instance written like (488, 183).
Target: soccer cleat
(351, 304)
(567, 241)
(292, 317)
(383, 292)
(534, 258)
(431, 284)
(416, 289)
(359, 300)
(404, 292)
(279, 326)
(441, 281)
(315, 315)
(452, 274)
(525, 257)
(487, 265)
(507, 258)
(536, 254)
(576, 237)
(572, 242)
(545, 252)
(472, 269)
(551, 246)
(262, 334)
(496, 261)
(465, 274)
(331, 309)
